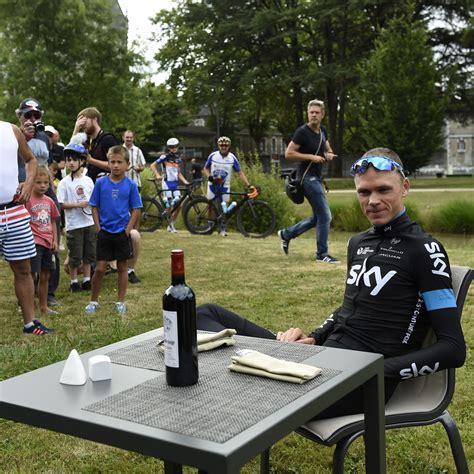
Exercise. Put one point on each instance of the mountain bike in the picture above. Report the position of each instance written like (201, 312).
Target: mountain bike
(255, 218)
(157, 211)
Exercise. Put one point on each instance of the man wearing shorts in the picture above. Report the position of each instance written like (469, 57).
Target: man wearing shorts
(16, 239)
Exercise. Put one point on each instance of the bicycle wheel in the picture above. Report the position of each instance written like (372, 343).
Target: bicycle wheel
(200, 216)
(256, 219)
(151, 217)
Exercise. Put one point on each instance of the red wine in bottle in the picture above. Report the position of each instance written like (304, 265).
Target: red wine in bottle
(179, 322)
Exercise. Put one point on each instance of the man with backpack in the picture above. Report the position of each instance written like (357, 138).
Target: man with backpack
(89, 120)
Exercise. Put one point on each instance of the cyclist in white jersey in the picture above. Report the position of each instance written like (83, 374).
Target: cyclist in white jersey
(218, 169)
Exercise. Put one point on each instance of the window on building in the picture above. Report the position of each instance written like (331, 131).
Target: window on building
(461, 145)
(274, 145)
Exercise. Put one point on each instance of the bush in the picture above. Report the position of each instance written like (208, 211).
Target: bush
(455, 217)
(273, 190)
(351, 218)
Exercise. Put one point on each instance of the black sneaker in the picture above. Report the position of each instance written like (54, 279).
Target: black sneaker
(75, 287)
(285, 244)
(86, 285)
(37, 329)
(132, 278)
(328, 259)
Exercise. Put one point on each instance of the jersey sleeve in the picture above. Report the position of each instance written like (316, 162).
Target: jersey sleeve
(236, 165)
(208, 162)
(433, 277)
(135, 199)
(95, 196)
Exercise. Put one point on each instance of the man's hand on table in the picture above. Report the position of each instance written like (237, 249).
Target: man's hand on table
(295, 335)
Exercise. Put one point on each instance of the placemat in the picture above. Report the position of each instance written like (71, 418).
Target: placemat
(145, 354)
(221, 405)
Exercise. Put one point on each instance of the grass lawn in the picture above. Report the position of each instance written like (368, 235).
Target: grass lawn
(419, 182)
(248, 276)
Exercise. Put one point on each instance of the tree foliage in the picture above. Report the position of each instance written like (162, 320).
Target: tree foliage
(70, 54)
(256, 63)
(404, 108)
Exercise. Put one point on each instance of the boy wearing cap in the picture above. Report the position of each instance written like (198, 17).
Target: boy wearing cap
(74, 192)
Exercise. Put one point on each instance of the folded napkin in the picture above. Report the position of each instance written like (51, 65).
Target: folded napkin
(207, 342)
(255, 363)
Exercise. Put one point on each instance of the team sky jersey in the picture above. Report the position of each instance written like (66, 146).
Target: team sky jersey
(221, 168)
(170, 164)
(398, 285)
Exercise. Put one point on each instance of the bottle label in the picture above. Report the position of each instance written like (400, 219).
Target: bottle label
(170, 324)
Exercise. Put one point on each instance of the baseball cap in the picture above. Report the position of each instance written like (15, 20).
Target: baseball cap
(30, 104)
(50, 129)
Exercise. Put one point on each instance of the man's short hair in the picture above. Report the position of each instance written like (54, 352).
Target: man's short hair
(119, 150)
(316, 103)
(380, 151)
(91, 113)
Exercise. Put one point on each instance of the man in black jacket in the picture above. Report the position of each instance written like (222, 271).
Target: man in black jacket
(398, 285)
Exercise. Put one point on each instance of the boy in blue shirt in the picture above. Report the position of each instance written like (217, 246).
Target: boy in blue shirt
(116, 207)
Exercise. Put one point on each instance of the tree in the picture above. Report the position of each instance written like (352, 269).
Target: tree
(168, 112)
(70, 54)
(403, 107)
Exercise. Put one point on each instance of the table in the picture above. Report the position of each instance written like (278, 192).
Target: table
(37, 398)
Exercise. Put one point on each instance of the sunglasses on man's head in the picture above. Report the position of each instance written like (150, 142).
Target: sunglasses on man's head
(381, 163)
(32, 115)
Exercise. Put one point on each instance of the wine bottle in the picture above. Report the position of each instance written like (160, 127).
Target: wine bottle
(179, 322)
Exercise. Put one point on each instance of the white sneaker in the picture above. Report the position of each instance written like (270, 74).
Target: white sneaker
(92, 307)
(120, 308)
(171, 228)
(223, 233)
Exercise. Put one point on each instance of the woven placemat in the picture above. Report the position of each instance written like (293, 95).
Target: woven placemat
(145, 354)
(221, 405)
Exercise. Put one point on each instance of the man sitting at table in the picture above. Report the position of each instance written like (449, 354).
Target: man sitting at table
(398, 285)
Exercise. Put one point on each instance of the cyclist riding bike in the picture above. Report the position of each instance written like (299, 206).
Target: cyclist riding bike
(171, 176)
(218, 169)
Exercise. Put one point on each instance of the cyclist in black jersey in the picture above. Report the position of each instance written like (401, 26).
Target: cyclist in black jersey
(398, 285)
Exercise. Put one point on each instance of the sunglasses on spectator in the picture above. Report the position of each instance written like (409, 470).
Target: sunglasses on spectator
(224, 144)
(32, 115)
(381, 163)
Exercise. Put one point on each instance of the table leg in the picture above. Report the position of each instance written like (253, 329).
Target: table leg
(374, 412)
(173, 468)
(265, 461)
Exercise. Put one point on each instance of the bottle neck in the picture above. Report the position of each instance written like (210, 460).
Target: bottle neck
(177, 267)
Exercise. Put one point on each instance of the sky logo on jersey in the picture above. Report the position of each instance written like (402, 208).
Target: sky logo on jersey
(438, 258)
(413, 371)
(372, 278)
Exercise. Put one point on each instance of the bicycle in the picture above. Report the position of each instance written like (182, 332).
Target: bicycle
(255, 218)
(156, 210)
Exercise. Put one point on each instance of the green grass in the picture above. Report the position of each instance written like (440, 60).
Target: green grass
(250, 277)
(416, 183)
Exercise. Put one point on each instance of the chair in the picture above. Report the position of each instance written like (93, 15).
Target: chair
(416, 402)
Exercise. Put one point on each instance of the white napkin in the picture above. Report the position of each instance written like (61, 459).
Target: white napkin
(207, 342)
(256, 363)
